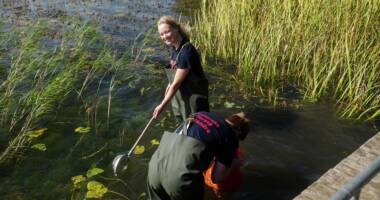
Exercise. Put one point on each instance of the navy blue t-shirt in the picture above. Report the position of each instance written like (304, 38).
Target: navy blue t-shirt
(216, 134)
(187, 57)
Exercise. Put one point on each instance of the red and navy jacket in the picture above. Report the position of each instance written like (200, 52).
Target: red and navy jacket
(212, 130)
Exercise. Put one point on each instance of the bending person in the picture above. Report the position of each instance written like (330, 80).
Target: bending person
(176, 167)
(185, 72)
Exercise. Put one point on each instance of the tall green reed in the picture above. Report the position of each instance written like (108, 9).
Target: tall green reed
(327, 49)
(41, 76)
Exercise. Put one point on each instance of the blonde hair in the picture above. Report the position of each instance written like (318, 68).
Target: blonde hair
(182, 29)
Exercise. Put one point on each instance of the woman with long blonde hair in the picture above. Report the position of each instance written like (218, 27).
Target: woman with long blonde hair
(185, 72)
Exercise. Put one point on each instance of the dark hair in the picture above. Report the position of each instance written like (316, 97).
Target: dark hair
(240, 123)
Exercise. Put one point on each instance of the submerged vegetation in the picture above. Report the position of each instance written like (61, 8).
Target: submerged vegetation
(326, 49)
(44, 68)
(60, 73)
(56, 75)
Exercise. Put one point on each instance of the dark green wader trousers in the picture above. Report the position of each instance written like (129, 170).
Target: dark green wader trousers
(175, 169)
(184, 106)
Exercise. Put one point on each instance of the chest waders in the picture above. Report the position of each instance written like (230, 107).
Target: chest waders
(192, 98)
(177, 103)
(175, 169)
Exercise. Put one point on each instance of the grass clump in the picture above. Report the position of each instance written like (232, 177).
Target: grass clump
(46, 67)
(326, 49)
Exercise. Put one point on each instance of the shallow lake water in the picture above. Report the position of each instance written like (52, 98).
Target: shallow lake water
(287, 149)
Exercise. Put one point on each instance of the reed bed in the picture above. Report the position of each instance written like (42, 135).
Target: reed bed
(326, 49)
(45, 67)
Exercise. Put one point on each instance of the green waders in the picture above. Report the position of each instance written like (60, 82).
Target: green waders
(175, 169)
(178, 105)
(183, 106)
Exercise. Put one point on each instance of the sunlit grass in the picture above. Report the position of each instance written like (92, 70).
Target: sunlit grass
(327, 49)
(42, 75)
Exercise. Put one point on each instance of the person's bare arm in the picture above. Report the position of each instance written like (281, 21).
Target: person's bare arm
(180, 75)
(167, 88)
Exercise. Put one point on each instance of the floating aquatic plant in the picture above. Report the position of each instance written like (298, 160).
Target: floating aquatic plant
(93, 172)
(154, 142)
(36, 133)
(139, 149)
(82, 130)
(40, 147)
(229, 104)
(94, 188)
(41, 77)
(77, 180)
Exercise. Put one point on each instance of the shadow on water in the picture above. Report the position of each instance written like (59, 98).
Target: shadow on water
(270, 183)
(291, 148)
(272, 118)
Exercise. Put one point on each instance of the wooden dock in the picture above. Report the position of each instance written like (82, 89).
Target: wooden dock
(334, 179)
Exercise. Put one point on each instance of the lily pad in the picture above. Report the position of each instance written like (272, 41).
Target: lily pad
(148, 50)
(82, 129)
(77, 180)
(40, 147)
(94, 171)
(139, 149)
(229, 104)
(36, 133)
(155, 142)
(96, 190)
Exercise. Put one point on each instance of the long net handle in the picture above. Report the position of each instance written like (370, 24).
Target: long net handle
(138, 139)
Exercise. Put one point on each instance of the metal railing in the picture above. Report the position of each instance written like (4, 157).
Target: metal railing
(351, 191)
